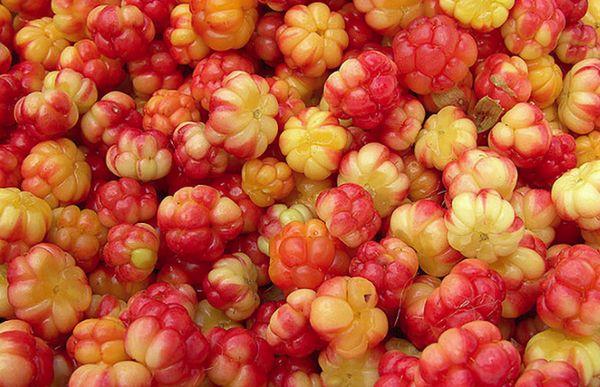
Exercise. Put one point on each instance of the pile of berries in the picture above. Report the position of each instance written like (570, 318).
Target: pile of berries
(295, 193)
